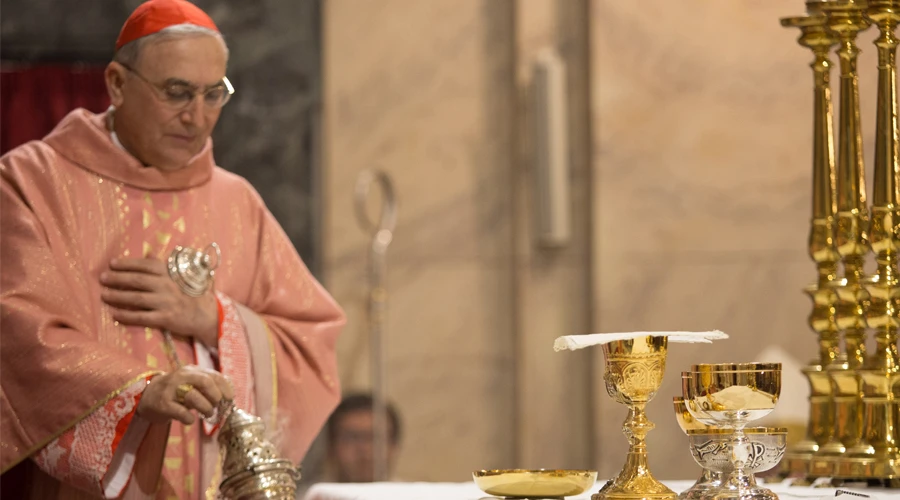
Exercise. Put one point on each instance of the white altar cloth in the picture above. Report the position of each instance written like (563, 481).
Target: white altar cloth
(468, 491)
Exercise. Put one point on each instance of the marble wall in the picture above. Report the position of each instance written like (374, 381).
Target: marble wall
(690, 143)
(268, 132)
(701, 192)
(420, 91)
(437, 94)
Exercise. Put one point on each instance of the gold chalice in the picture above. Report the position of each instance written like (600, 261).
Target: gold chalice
(634, 371)
(710, 480)
(731, 396)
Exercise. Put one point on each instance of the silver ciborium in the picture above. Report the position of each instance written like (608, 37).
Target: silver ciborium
(730, 396)
(710, 449)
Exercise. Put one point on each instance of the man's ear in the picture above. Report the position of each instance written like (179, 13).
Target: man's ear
(115, 81)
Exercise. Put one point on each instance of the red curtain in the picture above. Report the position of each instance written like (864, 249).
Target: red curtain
(34, 98)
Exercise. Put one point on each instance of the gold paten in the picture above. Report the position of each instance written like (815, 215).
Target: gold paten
(534, 484)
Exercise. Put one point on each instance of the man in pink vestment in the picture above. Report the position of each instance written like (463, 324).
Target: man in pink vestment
(93, 403)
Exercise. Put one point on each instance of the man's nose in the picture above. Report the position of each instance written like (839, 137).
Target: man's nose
(194, 112)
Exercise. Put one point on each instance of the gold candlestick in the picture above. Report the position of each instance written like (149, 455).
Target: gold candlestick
(634, 371)
(816, 36)
(846, 18)
(864, 437)
(877, 454)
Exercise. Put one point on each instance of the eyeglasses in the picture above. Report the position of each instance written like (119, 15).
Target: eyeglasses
(178, 94)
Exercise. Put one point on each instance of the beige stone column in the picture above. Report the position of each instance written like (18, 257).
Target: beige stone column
(554, 390)
(422, 90)
(435, 93)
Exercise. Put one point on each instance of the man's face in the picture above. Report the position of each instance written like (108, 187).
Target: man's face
(352, 449)
(157, 132)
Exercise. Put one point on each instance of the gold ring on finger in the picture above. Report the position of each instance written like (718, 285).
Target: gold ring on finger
(181, 392)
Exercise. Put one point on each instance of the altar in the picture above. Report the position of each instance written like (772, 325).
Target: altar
(468, 491)
(851, 430)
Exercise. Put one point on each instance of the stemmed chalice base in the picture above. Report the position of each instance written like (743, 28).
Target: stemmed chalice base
(711, 450)
(730, 396)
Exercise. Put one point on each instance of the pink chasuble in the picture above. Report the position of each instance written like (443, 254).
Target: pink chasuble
(72, 376)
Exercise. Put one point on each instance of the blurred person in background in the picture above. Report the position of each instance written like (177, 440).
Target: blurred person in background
(351, 431)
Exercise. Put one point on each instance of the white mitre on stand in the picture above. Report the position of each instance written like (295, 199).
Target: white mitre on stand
(575, 342)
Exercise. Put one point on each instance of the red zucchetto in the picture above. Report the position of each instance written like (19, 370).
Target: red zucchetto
(155, 15)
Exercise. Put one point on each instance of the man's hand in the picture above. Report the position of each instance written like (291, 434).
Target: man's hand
(141, 293)
(159, 402)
